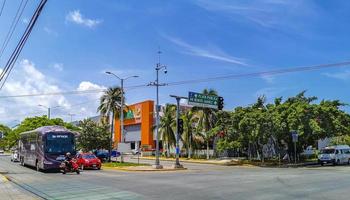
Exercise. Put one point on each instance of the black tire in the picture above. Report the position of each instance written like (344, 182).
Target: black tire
(37, 166)
(63, 171)
(78, 172)
(321, 164)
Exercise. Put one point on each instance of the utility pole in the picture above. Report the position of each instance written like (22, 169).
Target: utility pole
(71, 117)
(177, 161)
(122, 135)
(157, 84)
(48, 110)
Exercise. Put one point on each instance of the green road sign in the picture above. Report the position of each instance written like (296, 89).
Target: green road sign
(202, 100)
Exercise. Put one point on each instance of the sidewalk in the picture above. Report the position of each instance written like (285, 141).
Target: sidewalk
(226, 162)
(9, 191)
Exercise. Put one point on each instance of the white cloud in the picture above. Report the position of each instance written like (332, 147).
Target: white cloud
(25, 20)
(270, 92)
(58, 66)
(26, 78)
(87, 85)
(50, 31)
(268, 78)
(265, 13)
(76, 17)
(212, 53)
(345, 75)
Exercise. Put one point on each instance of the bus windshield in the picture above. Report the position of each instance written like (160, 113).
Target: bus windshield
(59, 143)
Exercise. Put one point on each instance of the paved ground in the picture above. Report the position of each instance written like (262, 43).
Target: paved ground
(199, 182)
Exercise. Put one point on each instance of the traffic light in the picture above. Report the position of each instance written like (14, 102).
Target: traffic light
(180, 126)
(220, 103)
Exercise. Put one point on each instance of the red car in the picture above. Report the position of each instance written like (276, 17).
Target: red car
(88, 160)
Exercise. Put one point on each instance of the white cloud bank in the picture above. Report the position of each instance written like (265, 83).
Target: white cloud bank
(77, 18)
(27, 79)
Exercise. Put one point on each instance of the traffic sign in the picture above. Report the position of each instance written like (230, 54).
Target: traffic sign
(202, 100)
(294, 136)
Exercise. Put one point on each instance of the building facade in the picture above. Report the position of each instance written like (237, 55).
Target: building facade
(138, 125)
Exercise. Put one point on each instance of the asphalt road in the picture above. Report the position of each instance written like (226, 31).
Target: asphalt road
(199, 182)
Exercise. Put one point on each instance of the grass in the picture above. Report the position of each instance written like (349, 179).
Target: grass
(123, 164)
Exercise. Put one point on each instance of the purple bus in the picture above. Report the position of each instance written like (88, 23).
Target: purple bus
(45, 147)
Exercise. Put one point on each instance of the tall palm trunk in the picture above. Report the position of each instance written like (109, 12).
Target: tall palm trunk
(207, 149)
(111, 137)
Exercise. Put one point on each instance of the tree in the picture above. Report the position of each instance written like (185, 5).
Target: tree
(93, 136)
(167, 126)
(32, 123)
(188, 134)
(6, 131)
(110, 104)
(207, 119)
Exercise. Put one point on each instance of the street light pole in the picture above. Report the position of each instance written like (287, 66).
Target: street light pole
(122, 136)
(48, 110)
(177, 161)
(157, 164)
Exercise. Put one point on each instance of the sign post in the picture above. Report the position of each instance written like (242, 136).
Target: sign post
(295, 140)
(177, 161)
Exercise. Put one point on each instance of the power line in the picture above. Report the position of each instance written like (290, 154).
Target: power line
(263, 73)
(2, 7)
(13, 26)
(14, 56)
(55, 93)
(232, 76)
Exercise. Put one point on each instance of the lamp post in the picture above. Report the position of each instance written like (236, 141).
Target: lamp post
(122, 103)
(48, 109)
(71, 116)
(157, 84)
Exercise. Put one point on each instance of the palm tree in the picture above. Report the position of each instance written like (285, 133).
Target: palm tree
(110, 104)
(167, 126)
(207, 119)
(187, 136)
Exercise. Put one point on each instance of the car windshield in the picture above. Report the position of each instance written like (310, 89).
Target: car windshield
(59, 143)
(327, 151)
(89, 156)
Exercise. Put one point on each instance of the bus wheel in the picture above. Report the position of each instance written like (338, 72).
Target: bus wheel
(37, 166)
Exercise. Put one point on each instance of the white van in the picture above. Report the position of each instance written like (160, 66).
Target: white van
(336, 155)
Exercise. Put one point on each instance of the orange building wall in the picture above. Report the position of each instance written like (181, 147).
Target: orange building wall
(146, 121)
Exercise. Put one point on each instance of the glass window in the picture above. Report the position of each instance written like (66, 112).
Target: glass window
(59, 143)
(89, 156)
(327, 151)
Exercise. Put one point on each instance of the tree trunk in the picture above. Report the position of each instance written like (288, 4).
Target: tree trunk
(190, 146)
(168, 150)
(207, 150)
(111, 137)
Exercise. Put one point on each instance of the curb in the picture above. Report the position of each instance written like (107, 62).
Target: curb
(4, 178)
(144, 170)
(197, 162)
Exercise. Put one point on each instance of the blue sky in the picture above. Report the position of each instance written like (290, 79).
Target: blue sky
(75, 41)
